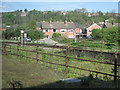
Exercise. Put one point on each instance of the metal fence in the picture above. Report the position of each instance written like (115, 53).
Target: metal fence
(114, 63)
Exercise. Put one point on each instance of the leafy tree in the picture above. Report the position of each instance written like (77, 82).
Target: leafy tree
(25, 10)
(109, 35)
(35, 34)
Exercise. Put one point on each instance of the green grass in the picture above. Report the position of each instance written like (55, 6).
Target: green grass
(89, 45)
(29, 73)
(32, 75)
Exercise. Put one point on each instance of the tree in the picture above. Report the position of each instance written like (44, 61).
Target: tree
(109, 35)
(35, 34)
(25, 10)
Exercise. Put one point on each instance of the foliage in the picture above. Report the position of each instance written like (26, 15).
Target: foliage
(56, 35)
(78, 15)
(109, 35)
(28, 22)
(35, 34)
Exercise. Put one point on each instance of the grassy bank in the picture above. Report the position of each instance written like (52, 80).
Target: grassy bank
(27, 72)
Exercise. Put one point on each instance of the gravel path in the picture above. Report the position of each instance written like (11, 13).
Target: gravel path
(50, 41)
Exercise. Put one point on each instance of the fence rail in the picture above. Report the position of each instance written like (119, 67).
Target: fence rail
(115, 64)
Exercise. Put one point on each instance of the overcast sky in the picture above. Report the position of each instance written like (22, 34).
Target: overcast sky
(60, 0)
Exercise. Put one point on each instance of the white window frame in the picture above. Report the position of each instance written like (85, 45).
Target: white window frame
(71, 36)
(80, 30)
(63, 30)
(71, 30)
(44, 30)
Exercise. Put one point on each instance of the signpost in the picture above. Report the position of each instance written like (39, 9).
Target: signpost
(22, 37)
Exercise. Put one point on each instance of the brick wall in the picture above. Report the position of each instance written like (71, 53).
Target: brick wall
(66, 34)
(91, 28)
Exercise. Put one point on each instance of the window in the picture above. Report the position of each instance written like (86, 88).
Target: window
(47, 30)
(70, 36)
(54, 30)
(70, 30)
(63, 30)
(90, 30)
(44, 30)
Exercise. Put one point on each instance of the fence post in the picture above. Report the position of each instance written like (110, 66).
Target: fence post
(66, 59)
(102, 44)
(84, 44)
(18, 49)
(37, 54)
(3, 48)
(115, 68)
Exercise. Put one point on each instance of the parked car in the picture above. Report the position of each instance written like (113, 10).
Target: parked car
(26, 39)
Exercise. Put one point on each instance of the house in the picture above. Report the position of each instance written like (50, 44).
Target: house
(108, 25)
(24, 14)
(89, 14)
(65, 28)
(82, 33)
(38, 25)
(95, 14)
(90, 28)
(3, 27)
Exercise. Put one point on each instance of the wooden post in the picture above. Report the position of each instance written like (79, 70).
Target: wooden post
(115, 68)
(84, 44)
(102, 44)
(68, 43)
(37, 54)
(18, 49)
(66, 60)
(3, 48)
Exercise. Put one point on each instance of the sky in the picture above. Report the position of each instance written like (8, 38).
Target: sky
(63, 6)
(96, 5)
(60, 0)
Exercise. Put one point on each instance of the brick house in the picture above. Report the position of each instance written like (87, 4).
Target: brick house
(90, 28)
(66, 29)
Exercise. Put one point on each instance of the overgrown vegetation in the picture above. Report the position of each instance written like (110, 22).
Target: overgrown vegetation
(109, 35)
(61, 60)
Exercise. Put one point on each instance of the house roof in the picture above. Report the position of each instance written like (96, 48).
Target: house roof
(38, 24)
(76, 25)
(55, 25)
(83, 26)
(108, 25)
(94, 24)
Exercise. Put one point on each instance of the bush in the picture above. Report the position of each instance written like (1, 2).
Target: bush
(56, 35)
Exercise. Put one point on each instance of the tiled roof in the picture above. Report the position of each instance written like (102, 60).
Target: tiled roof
(55, 25)
(108, 25)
